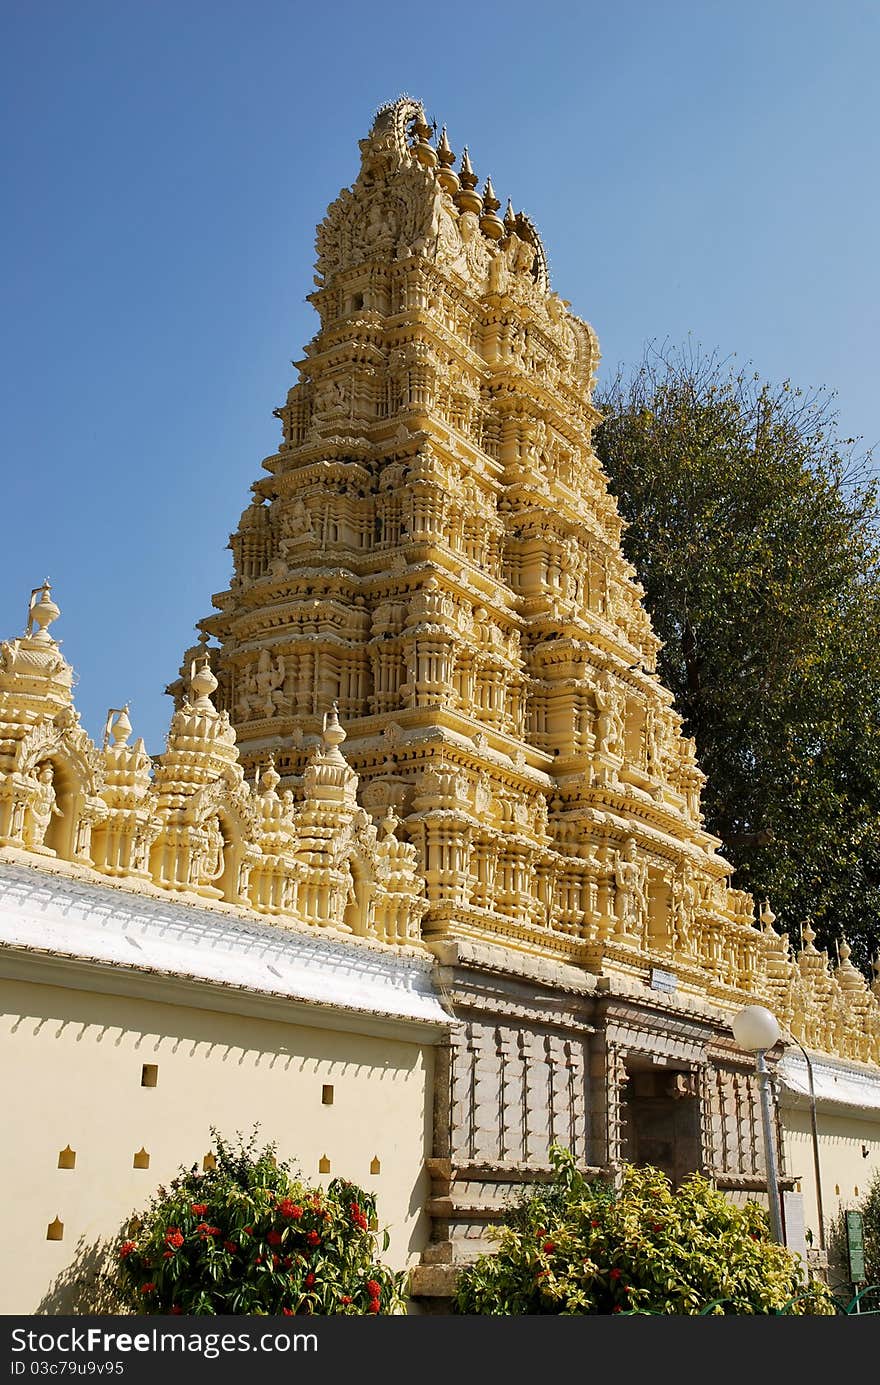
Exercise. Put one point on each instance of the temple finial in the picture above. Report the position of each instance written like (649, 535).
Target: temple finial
(202, 682)
(42, 610)
(490, 223)
(467, 198)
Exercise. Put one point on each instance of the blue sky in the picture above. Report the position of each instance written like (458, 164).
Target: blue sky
(698, 168)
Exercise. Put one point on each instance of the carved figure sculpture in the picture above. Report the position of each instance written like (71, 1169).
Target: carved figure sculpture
(609, 723)
(631, 883)
(42, 808)
(263, 695)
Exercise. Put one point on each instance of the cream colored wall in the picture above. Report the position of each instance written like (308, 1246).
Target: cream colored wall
(846, 1173)
(72, 1062)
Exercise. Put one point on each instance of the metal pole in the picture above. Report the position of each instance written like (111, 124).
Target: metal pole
(814, 1125)
(770, 1150)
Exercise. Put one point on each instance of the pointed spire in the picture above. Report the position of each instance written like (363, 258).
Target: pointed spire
(444, 150)
(446, 174)
(509, 218)
(468, 199)
(466, 173)
(423, 149)
(490, 223)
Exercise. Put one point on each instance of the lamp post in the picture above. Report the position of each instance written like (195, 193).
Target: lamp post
(755, 1029)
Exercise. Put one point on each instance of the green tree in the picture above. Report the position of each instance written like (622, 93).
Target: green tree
(578, 1247)
(247, 1238)
(753, 527)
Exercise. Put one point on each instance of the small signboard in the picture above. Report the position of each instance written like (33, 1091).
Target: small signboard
(793, 1219)
(663, 980)
(855, 1246)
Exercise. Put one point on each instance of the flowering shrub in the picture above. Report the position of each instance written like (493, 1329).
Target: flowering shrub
(247, 1238)
(575, 1247)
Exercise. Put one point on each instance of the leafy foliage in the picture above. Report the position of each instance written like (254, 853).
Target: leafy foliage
(246, 1237)
(753, 528)
(869, 1206)
(870, 1210)
(580, 1247)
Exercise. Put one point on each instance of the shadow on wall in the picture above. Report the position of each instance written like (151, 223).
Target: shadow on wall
(87, 1284)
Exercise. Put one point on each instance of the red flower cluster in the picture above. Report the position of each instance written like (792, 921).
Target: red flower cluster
(204, 1230)
(345, 1298)
(173, 1238)
(230, 1246)
(548, 1247)
(199, 1209)
(288, 1312)
(309, 1280)
(289, 1209)
(176, 1308)
(274, 1238)
(125, 1249)
(148, 1288)
(615, 1274)
(313, 1238)
(357, 1216)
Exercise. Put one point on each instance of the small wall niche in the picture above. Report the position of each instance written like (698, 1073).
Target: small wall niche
(327, 1095)
(323, 1164)
(67, 1158)
(55, 1230)
(375, 1164)
(141, 1160)
(150, 1075)
(209, 1162)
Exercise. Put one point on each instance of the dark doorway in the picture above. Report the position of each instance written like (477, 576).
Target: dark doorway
(660, 1113)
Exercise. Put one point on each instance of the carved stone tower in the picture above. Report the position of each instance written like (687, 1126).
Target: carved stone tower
(434, 548)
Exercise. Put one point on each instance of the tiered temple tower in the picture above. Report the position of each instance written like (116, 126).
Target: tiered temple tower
(434, 548)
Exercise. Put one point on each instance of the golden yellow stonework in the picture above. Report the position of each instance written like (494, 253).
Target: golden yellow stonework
(434, 550)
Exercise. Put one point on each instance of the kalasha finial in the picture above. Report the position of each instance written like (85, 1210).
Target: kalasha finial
(202, 682)
(42, 610)
(270, 778)
(808, 935)
(509, 218)
(332, 733)
(117, 725)
(768, 918)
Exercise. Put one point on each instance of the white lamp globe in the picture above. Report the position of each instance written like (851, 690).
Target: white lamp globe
(755, 1028)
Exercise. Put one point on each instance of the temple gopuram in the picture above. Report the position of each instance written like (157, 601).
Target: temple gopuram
(427, 830)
